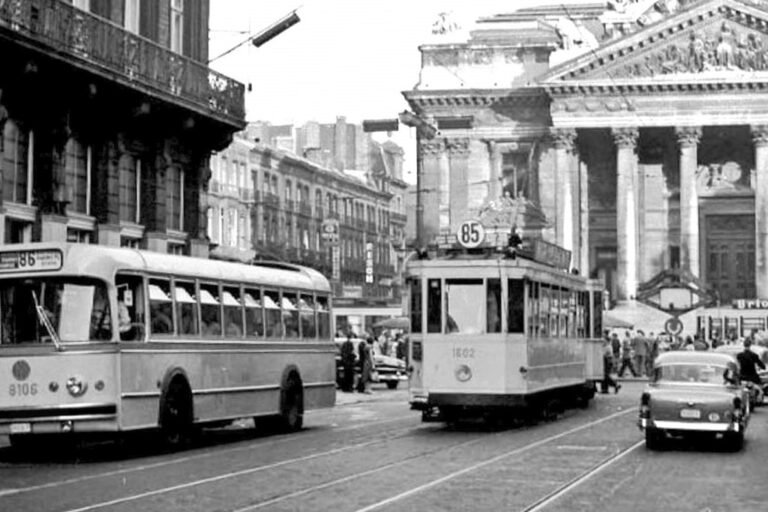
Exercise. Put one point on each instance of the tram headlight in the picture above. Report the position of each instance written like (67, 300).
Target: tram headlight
(76, 386)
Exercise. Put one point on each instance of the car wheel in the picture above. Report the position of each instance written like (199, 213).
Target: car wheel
(393, 384)
(653, 439)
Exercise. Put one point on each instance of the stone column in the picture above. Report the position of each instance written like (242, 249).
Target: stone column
(428, 192)
(688, 140)
(567, 218)
(106, 198)
(154, 199)
(626, 211)
(494, 173)
(760, 139)
(458, 161)
(196, 205)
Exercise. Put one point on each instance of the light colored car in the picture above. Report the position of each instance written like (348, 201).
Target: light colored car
(389, 370)
(694, 392)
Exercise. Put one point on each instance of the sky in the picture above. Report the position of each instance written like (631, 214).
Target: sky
(350, 58)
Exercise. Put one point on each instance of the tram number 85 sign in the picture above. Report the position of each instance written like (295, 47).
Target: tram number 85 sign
(470, 234)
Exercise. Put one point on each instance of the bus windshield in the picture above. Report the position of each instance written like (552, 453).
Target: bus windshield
(76, 309)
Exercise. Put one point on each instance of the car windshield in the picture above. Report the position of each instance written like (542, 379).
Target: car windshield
(690, 372)
(50, 310)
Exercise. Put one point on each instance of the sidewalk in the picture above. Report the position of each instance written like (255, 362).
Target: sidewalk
(377, 395)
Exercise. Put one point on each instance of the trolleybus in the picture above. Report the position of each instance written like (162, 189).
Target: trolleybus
(500, 331)
(101, 339)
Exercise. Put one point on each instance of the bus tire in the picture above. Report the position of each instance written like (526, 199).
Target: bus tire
(292, 404)
(176, 413)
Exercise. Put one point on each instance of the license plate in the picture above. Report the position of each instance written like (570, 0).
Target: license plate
(21, 428)
(690, 414)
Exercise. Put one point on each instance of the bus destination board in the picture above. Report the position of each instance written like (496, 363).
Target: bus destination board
(30, 261)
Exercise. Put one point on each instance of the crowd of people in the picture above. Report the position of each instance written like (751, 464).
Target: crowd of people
(358, 353)
(634, 351)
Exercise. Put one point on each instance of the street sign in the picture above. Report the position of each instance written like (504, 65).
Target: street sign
(330, 232)
(336, 263)
(368, 262)
(673, 326)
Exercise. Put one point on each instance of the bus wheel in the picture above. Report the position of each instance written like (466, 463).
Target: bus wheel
(292, 405)
(176, 414)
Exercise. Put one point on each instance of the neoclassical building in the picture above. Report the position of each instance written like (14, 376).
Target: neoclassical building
(639, 127)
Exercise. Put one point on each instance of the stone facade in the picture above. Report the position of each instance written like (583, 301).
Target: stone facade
(645, 144)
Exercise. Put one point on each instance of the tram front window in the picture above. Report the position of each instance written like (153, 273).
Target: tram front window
(462, 297)
(23, 303)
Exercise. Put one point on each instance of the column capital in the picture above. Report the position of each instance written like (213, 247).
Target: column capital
(432, 147)
(688, 135)
(625, 137)
(563, 138)
(759, 134)
(457, 147)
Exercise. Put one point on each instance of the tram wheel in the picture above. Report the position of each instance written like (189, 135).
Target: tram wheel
(176, 417)
(292, 405)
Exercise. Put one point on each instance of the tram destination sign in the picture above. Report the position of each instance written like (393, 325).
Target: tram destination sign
(30, 261)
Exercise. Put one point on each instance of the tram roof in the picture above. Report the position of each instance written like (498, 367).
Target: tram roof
(104, 262)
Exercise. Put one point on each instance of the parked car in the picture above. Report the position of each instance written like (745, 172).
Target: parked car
(694, 393)
(389, 370)
(762, 353)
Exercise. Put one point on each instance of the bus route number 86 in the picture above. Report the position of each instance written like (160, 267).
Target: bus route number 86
(471, 234)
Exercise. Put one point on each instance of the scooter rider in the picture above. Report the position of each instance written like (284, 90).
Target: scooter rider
(748, 361)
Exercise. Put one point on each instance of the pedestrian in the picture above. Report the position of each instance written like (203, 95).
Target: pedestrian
(608, 380)
(699, 343)
(653, 351)
(626, 356)
(640, 348)
(616, 346)
(366, 365)
(348, 364)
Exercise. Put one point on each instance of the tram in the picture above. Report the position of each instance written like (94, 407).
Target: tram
(500, 330)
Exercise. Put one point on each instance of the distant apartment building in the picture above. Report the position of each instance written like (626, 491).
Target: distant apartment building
(300, 178)
(108, 116)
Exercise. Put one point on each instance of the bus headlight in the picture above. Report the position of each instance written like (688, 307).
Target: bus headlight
(76, 386)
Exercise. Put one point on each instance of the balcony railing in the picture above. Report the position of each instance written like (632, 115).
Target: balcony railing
(246, 195)
(109, 47)
(398, 218)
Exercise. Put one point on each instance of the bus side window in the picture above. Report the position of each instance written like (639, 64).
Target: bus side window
(290, 314)
(130, 307)
(101, 318)
(186, 307)
(323, 318)
(160, 306)
(210, 309)
(254, 313)
(233, 313)
(273, 315)
(307, 315)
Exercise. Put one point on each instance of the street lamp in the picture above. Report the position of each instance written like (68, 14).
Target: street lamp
(265, 35)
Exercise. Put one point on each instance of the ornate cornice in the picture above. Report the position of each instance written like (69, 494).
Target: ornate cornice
(563, 138)
(625, 137)
(688, 135)
(432, 147)
(429, 100)
(760, 135)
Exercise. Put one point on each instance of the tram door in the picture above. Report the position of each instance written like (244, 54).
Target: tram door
(730, 255)
(415, 347)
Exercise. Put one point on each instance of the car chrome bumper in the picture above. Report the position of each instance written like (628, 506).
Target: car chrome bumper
(689, 426)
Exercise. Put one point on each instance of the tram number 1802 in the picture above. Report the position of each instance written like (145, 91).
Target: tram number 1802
(463, 353)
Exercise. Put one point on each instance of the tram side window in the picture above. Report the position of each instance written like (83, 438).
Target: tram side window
(415, 304)
(323, 318)
(565, 312)
(515, 306)
(290, 314)
(130, 307)
(186, 307)
(462, 314)
(254, 313)
(272, 314)
(307, 315)
(434, 295)
(533, 308)
(233, 312)
(210, 310)
(580, 315)
(160, 306)
(544, 311)
(597, 326)
(554, 311)
(493, 306)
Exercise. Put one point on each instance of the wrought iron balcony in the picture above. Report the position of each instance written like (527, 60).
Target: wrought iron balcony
(103, 46)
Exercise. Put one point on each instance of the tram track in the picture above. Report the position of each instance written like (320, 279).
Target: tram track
(209, 452)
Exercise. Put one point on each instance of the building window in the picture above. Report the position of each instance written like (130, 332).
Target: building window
(17, 168)
(127, 241)
(132, 15)
(514, 171)
(222, 238)
(16, 231)
(232, 221)
(175, 198)
(288, 190)
(176, 248)
(177, 25)
(78, 171)
(78, 236)
(130, 188)
(241, 241)
(209, 214)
